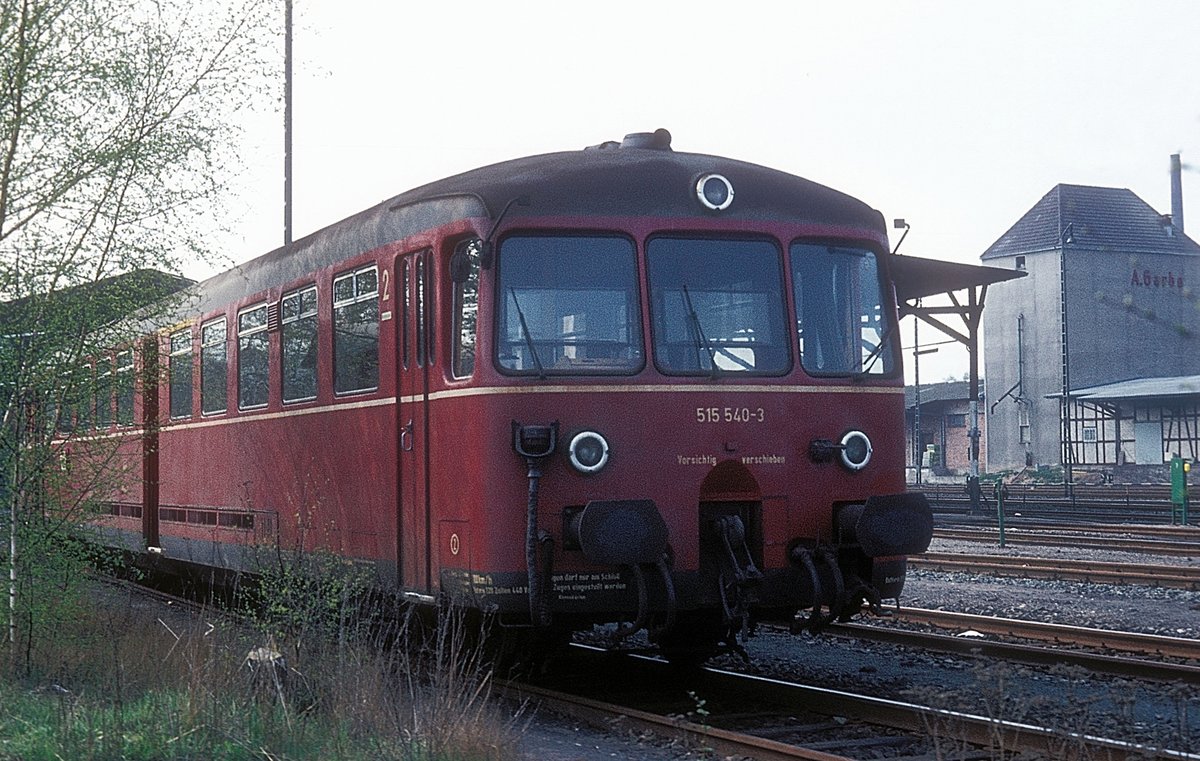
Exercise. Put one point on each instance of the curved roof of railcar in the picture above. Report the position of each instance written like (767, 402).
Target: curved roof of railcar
(611, 180)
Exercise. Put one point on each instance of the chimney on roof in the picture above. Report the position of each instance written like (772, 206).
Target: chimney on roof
(1176, 192)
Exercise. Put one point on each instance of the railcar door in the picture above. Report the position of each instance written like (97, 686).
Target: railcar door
(414, 358)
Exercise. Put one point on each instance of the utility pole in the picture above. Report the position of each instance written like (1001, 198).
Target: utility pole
(1066, 236)
(287, 124)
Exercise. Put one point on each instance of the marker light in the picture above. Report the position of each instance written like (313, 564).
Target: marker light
(588, 452)
(714, 191)
(856, 450)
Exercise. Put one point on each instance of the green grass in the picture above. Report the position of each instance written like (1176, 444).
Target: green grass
(114, 680)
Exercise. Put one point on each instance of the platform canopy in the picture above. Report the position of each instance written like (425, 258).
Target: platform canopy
(917, 278)
(1138, 388)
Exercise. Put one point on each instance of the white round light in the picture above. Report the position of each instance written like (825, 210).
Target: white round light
(856, 450)
(588, 452)
(714, 191)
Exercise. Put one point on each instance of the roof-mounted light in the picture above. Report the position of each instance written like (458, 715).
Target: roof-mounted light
(714, 191)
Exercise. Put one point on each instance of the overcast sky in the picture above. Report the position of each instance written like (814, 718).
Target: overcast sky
(957, 116)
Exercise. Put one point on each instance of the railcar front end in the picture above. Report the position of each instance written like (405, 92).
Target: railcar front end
(681, 426)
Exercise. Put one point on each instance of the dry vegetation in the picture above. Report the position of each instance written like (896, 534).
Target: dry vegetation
(116, 677)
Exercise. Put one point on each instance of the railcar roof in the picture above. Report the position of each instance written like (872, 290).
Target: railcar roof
(609, 180)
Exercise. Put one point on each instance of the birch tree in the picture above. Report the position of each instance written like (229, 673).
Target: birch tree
(118, 134)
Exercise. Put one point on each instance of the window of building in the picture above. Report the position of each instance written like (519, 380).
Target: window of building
(299, 318)
(955, 420)
(213, 367)
(356, 331)
(253, 367)
(124, 388)
(466, 310)
(180, 370)
(1021, 263)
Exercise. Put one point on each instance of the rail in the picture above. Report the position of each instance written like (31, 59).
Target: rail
(1093, 571)
(1111, 501)
(980, 731)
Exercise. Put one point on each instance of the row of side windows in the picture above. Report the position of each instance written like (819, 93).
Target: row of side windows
(355, 349)
(100, 398)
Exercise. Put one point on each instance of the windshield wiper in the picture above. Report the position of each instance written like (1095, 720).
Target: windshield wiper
(702, 343)
(877, 352)
(528, 336)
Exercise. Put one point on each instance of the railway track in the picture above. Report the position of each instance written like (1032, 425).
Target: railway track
(1069, 537)
(1178, 577)
(784, 720)
(1159, 531)
(1061, 636)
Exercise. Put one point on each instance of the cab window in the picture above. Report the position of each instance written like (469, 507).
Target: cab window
(568, 305)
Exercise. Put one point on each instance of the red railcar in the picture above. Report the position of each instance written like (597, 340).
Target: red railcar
(624, 384)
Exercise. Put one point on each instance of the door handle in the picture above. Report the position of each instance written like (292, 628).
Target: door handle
(406, 437)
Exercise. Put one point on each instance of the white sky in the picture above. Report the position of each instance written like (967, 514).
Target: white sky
(957, 116)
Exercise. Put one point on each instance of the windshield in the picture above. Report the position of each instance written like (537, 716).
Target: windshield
(840, 319)
(568, 305)
(717, 306)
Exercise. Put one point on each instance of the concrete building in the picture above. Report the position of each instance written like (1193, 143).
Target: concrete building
(1112, 296)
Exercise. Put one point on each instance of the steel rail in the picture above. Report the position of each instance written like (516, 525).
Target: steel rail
(984, 732)
(1128, 642)
(604, 715)
(1115, 665)
(1025, 537)
(1163, 531)
(1180, 577)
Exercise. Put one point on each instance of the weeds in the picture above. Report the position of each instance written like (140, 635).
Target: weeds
(121, 679)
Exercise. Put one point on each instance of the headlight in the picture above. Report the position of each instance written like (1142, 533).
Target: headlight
(588, 452)
(856, 450)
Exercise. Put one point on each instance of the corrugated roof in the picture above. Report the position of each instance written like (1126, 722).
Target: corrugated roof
(1142, 388)
(1101, 219)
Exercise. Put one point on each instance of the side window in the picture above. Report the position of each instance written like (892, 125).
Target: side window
(85, 404)
(125, 387)
(356, 331)
(422, 325)
(213, 367)
(104, 393)
(180, 370)
(298, 312)
(66, 408)
(405, 305)
(466, 309)
(252, 358)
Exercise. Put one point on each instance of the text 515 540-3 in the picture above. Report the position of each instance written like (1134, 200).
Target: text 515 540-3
(730, 415)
